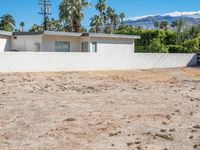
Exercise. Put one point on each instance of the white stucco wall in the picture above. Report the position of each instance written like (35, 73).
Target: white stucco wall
(55, 61)
(113, 45)
(104, 45)
(4, 43)
(26, 43)
(49, 43)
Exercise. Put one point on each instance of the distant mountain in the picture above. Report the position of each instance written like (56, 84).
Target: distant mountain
(147, 22)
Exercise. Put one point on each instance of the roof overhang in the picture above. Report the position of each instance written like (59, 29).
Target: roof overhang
(5, 33)
(74, 34)
(101, 35)
(62, 33)
(27, 33)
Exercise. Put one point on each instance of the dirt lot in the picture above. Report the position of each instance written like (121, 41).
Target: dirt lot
(116, 110)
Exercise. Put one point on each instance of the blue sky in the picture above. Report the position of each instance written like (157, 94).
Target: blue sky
(27, 10)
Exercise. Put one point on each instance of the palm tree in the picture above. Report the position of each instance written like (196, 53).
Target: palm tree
(156, 24)
(7, 22)
(110, 12)
(96, 23)
(54, 25)
(71, 13)
(180, 25)
(35, 28)
(101, 6)
(115, 21)
(108, 28)
(22, 24)
(122, 16)
(105, 17)
(110, 17)
(174, 24)
(164, 25)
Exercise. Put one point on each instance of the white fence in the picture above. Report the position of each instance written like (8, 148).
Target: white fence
(53, 61)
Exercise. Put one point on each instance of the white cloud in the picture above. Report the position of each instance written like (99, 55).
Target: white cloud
(173, 14)
(176, 13)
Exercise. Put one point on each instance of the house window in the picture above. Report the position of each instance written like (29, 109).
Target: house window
(94, 47)
(84, 46)
(62, 46)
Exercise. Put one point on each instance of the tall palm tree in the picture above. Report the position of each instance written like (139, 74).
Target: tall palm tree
(54, 25)
(108, 29)
(115, 20)
(110, 12)
(174, 24)
(101, 6)
(22, 24)
(35, 28)
(7, 22)
(164, 25)
(122, 16)
(105, 17)
(180, 25)
(96, 23)
(71, 13)
(156, 24)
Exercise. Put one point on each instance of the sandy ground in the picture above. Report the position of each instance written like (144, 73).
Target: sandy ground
(116, 110)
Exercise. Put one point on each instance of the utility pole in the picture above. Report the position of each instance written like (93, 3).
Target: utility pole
(45, 11)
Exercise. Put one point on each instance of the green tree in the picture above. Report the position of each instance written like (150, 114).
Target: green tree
(22, 24)
(35, 28)
(163, 41)
(54, 25)
(83, 29)
(71, 14)
(101, 7)
(109, 13)
(191, 46)
(180, 25)
(7, 22)
(156, 24)
(157, 47)
(122, 16)
(164, 25)
(108, 29)
(174, 24)
(115, 21)
(96, 23)
(105, 17)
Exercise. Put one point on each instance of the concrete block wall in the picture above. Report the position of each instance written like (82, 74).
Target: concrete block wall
(58, 61)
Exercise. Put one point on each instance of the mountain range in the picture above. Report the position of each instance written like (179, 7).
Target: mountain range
(147, 22)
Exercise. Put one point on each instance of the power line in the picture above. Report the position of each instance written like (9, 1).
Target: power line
(45, 11)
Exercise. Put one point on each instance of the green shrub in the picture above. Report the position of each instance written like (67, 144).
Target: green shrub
(157, 47)
(160, 41)
(191, 46)
(176, 49)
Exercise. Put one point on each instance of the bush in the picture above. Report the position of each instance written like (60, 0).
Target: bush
(159, 41)
(157, 47)
(176, 49)
(191, 46)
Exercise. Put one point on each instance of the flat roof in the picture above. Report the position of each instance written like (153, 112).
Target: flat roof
(114, 35)
(62, 33)
(75, 34)
(28, 33)
(5, 33)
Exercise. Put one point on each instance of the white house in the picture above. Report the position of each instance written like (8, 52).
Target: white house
(51, 41)
(5, 41)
